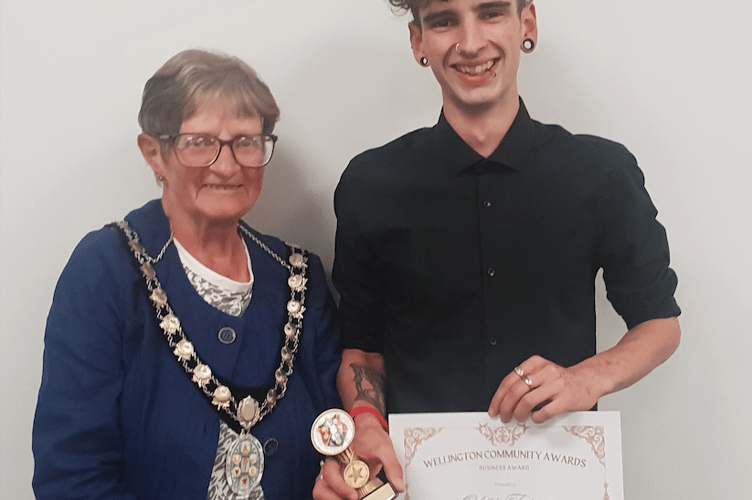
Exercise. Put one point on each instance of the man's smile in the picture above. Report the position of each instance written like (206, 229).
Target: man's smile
(475, 69)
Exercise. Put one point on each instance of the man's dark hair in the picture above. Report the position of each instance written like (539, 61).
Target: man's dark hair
(414, 6)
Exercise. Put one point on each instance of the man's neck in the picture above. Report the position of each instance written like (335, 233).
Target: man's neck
(483, 130)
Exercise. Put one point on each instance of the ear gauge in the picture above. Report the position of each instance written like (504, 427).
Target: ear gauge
(528, 45)
(423, 61)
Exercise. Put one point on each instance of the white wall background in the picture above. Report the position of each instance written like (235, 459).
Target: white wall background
(669, 79)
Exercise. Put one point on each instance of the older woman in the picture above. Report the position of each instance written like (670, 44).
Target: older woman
(186, 355)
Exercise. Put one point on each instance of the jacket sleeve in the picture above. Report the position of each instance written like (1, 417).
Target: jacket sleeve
(77, 441)
(320, 316)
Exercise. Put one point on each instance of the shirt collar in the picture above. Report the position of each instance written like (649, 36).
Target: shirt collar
(511, 153)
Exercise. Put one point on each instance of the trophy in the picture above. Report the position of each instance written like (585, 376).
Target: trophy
(331, 435)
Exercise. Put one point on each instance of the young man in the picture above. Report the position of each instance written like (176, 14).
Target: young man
(466, 253)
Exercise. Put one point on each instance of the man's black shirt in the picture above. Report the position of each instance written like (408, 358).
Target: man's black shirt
(458, 268)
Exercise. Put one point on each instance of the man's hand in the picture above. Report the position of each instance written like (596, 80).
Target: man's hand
(371, 445)
(553, 390)
(361, 381)
(330, 485)
(544, 390)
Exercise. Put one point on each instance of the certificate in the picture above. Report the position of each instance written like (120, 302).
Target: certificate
(470, 456)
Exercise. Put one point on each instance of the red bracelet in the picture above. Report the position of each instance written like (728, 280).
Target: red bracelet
(367, 409)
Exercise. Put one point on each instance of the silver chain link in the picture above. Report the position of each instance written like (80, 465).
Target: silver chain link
(266, 248)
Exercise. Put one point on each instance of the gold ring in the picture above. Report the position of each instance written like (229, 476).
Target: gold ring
(519, 372)
(528, 382)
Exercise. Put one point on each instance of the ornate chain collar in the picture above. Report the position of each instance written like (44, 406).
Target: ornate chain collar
(248, 411)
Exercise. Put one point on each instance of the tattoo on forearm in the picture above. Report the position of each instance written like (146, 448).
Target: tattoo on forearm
(370, 386)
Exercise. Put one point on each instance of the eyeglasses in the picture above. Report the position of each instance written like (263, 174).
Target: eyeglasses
(202, 150)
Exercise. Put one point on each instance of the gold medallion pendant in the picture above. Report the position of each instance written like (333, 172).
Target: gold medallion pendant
(245, 464)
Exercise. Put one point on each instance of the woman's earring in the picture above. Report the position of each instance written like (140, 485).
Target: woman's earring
(423, 61)
(528, 45)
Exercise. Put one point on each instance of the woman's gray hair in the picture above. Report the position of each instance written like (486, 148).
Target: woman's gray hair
(195, 76)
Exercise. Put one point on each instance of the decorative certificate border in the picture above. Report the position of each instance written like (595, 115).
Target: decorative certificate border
(507, 436)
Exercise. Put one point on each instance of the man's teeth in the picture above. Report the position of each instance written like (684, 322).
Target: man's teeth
(474, 70)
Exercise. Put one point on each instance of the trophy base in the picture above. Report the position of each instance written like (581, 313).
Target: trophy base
(383, 492)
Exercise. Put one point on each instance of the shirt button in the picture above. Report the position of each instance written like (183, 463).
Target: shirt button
(227, 335)
(492, 341)
(486, 204)
(491, 272)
